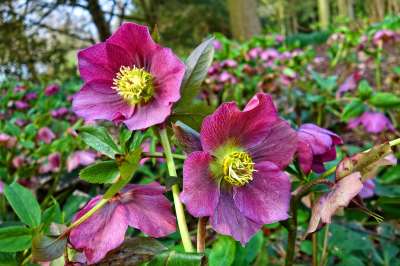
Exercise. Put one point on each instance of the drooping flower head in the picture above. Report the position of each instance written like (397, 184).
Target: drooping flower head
(373, 122)
(383, 36)
(46, 135)
(316, 146)
(7, 140)
(143, 207)
(236, 178)
(53, 164)
(51, 89)
(128, 78)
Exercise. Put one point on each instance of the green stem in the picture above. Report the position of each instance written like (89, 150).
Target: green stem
(325, 246)
(314, 250)
(378, 65)
(201, 234)
(292, 232)
(180, 214)
(162, 155)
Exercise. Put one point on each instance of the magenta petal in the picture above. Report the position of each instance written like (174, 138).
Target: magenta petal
(148, 209)
(200, 191)
(368, 189)
(93, 63)
(136, 41)
(278, 146)
(97, 100)
(148, 115)
(102, 232)
(246, 128)
(167, 79)
(305, 156)
(117, 57)
(228, 220)
(266, 199)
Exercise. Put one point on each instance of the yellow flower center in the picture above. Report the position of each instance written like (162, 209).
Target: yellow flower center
(238, 168)
(134, 85)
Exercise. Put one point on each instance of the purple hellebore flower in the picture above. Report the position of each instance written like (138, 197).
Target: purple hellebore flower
(226, 77)
(21, 105)
(384, 36)
(279, 38)
(214, 68)
(7, 140)
(373, 122)
(31, 96)
(230, 63)
(237, 177)
(20, 122)
(53, 164)
(19, 88)
(143, 207)
(80, 158)
(60, 112)
(350, 83)
(254, 52)
(269, 55)
(368, 189)
(316, 145)
(18, 161)
(217, 45)
(51, 89)
(128, 78)
(46, 135)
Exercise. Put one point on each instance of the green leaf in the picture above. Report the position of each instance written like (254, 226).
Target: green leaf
(173, 258)
(328, 83)
(353, 109)
(192, 114)
(246, 255)
(24, 204)
(129, 165)
(8, 259)
(385, 99)
(364, 89)
(100, 173)
(15, 238)
(197, 65)
(99, 139)
(223, 252)
(46, 248)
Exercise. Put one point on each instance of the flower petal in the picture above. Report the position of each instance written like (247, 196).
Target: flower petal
(266, 199)
(148, 115)
(188, 138)
(102, 232)
(200, 191)
(245, 128)
(368, 189)
(136, 41)
(97, 100)
(93, 63)
(117, 57)
(228, 220)
(167, 79)
(148, 209)
(278, 146)
(305, 156)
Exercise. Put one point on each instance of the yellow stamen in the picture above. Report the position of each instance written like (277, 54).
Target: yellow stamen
(238, 168)
(134, 85)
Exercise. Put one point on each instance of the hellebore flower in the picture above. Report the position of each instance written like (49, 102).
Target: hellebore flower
(340, 196)
(59, 113)
(350, 83)
(51, 89)
(217, 45)
(19, 88)
(316, 146)
(18, 161)
(384, 36)
(128, 78)
(7, 140)
(254, 52)
(229, 63)
(46, 135)
(80, 158)
(21, 105)
(53, 164)
(237, 177)
(368, 189)
(373, 122)
(143, 207)
(31, 96)
(279, 39)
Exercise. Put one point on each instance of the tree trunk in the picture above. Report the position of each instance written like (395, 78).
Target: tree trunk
(323, 12)
(99, 19)
(346, 9)
(243, 18)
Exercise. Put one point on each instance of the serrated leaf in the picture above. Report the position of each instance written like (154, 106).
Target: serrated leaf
(24, 204)
(100, 173)
(197, 65)
(385, 99)
(223, 252)
(246, 255)
(353, 109)
(99, 139)
(364, 89)
(46, 248)
(14, 238)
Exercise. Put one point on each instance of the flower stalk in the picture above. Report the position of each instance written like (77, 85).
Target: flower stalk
(180, 214)
(201, 234)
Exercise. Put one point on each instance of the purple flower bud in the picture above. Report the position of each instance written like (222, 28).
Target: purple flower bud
(59, 113)
(80, 158)
(350, 83)
(254, 53)
(18, 161)
(46, 135)
(316, 146)
(217, 45)
(7, 140)
(19, 88)
(51, 89)
(31, 96)
(53, 164)
(279, 39)
(229, 63)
